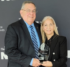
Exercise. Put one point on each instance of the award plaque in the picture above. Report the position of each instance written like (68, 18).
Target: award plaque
(43, 53)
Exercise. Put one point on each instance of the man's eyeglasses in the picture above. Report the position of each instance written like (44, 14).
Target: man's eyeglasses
(28, 11)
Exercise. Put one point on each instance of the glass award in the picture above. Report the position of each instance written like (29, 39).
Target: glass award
(43, 53)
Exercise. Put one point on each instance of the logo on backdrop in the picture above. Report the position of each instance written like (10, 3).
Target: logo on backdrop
(3, 55)
(2, 29)
(7, 0)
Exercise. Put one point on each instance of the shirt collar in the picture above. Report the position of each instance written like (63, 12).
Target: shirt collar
(28, 24)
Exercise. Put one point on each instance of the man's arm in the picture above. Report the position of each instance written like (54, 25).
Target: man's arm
(14, 54)
(11, 48)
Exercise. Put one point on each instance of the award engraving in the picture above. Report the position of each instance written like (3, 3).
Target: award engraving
(43, 52)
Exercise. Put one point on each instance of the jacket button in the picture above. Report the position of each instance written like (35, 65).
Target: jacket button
(53, 53)
(54, 60)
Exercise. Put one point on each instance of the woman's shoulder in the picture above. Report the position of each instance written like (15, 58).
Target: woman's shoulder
(61, 38)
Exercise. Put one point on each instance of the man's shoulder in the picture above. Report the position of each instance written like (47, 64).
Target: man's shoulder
(16, 23)
(37, 24)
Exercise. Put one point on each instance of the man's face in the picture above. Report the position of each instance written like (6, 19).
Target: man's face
(28, 13)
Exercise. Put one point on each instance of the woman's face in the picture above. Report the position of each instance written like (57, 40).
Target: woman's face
(48, 27)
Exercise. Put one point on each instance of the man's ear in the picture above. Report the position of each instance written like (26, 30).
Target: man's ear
(20, 12)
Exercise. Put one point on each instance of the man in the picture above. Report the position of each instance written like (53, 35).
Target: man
(19, 45)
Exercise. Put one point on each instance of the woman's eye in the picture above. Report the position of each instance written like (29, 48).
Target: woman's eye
(45, 25)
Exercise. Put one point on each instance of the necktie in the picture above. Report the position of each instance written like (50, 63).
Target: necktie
(34, 40)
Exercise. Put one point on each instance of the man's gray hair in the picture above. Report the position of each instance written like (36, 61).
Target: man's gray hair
(27, 2)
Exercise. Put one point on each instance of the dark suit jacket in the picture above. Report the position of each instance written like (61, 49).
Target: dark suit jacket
(18, 44)
(58, 51)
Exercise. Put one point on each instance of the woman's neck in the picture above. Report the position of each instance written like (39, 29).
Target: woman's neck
(49, 36)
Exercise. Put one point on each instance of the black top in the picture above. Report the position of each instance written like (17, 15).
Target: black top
(48, 42)
(58, 50)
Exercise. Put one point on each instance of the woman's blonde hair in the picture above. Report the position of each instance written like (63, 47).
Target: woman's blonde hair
(42, 32)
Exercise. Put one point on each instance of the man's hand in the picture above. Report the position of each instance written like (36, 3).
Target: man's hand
(36, 62)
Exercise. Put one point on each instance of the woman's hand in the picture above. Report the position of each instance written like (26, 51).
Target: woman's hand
(47, 63)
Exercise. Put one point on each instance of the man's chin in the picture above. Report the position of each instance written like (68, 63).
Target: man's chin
(31, 21)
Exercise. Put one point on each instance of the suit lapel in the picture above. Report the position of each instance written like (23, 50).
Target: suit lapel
(24, 27)
(53, 45)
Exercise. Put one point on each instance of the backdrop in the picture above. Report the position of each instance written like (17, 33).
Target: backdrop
(58, 9)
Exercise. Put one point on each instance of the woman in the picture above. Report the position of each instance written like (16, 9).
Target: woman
(56, 43)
